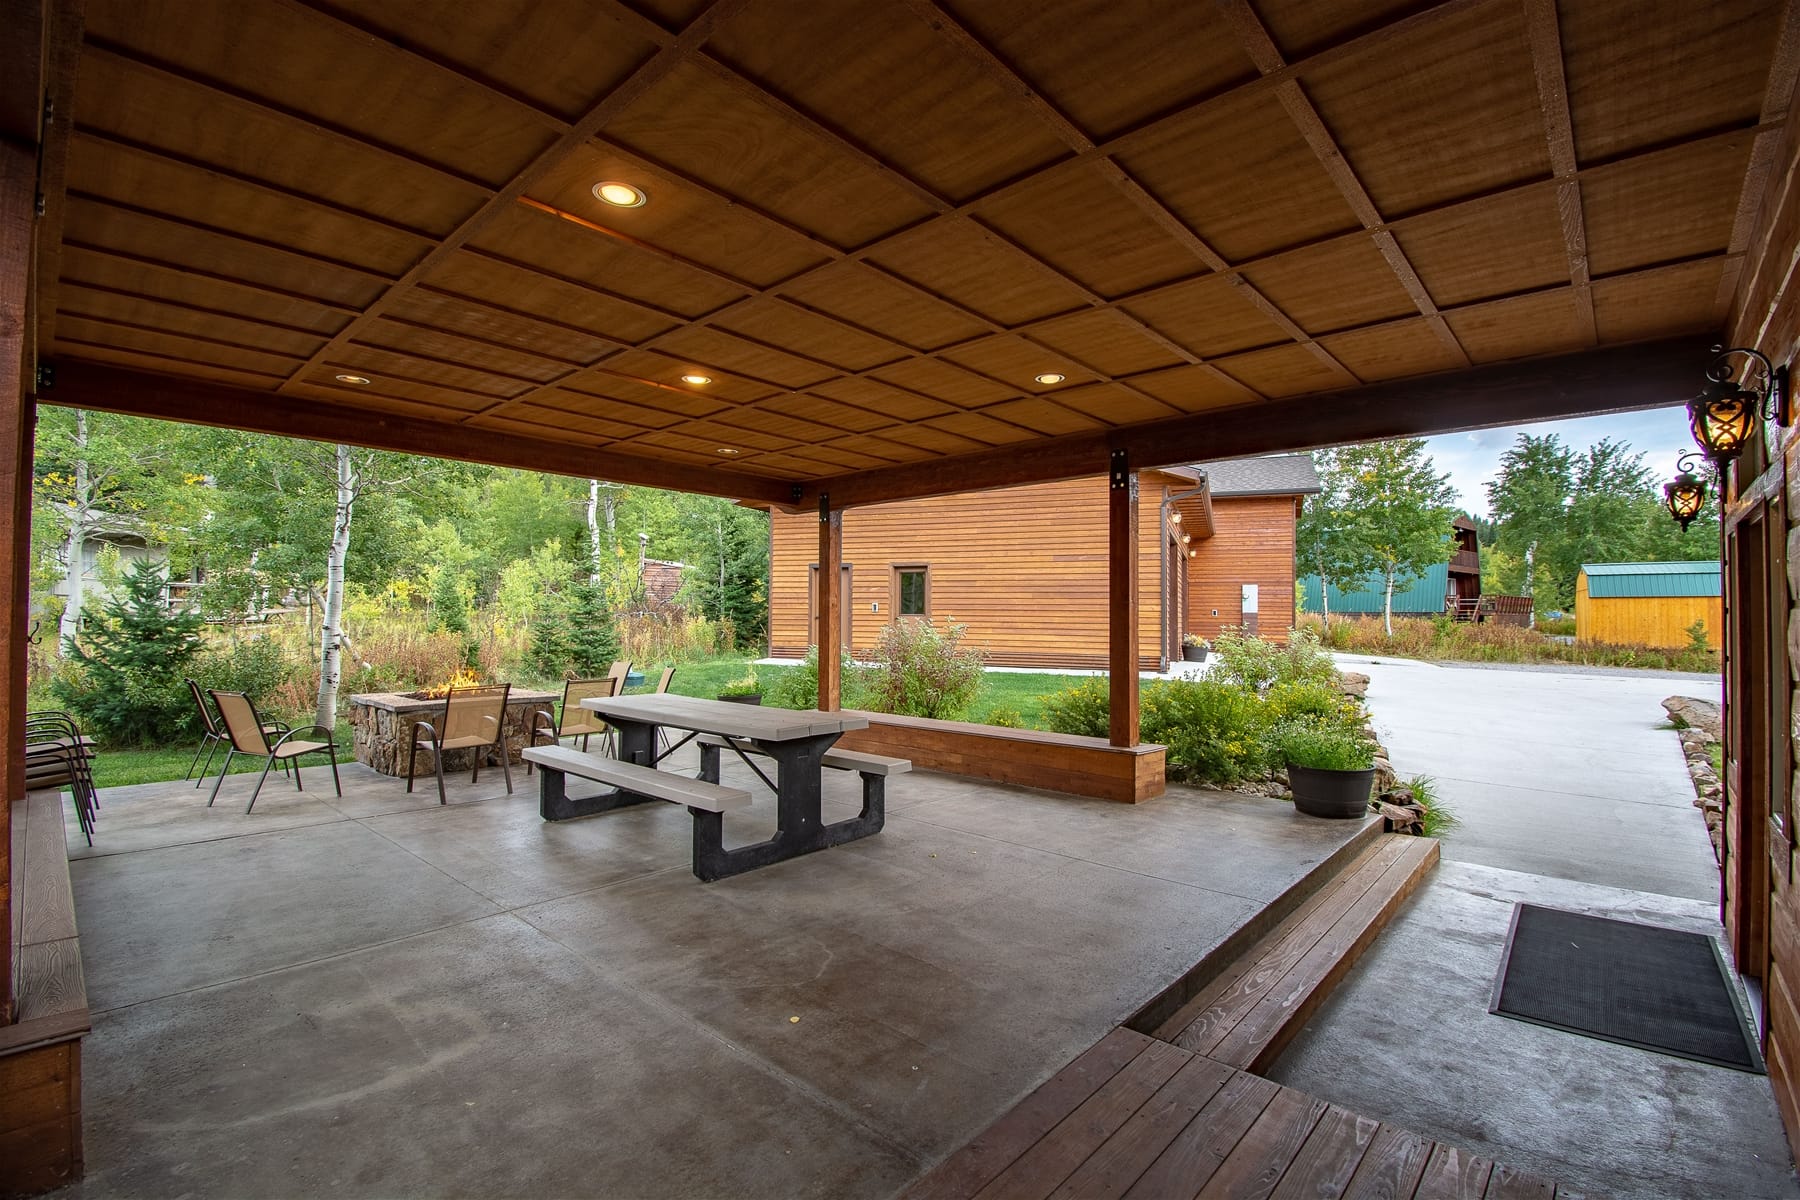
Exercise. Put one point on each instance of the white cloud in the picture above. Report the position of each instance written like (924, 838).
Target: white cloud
(1473, 459)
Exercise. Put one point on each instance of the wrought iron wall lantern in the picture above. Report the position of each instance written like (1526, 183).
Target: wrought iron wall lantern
(1725, 413)
(1684, 495)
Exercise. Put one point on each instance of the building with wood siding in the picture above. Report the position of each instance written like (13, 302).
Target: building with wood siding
(1440, 589)
(1647, 604)
(1025, 568)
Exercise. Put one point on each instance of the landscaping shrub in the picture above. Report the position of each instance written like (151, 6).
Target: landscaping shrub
(1082, 708)
(799, 687)
(574, 636)
(1213, 729)
(255, 666)
(1556, 626)
(1439, 820)
(1255, 663)
(1003, 718)
(667, 637)
(126, 682)
(1322, 746)
(1309, 700)
(921, 671)
(1490, 641)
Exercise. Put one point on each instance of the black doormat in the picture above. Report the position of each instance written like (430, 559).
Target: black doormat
(1638, 985)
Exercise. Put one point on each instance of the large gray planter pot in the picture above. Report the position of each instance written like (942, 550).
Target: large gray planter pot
(1322, 793)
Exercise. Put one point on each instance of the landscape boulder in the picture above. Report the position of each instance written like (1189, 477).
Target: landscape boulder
(1695, 713)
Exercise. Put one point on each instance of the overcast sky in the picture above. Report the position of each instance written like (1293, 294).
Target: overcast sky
(1472, 459)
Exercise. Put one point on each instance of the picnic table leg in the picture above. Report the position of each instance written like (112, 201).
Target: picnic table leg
(799, 825)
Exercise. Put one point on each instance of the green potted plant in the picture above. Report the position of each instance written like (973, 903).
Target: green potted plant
(742, 691)
(1330, 768)
(1194, 648)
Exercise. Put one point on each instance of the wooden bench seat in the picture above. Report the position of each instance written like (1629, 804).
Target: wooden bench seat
(643, 781)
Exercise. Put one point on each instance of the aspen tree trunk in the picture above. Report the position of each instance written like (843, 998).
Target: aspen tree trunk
(1325, 598)
(330, 628)
(1387, 606)
(75, 547)
(593, 526)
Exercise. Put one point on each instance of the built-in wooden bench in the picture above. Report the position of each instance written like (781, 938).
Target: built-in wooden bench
(1143, 1119)
(639, 780)
(40, 1053)
(1257, 1002)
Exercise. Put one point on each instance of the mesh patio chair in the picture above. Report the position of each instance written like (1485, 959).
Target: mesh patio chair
(619, 670)
(58, 756)
(662, 685)
(473, 719)
(575, 721)
(212, 733)
(246, 733)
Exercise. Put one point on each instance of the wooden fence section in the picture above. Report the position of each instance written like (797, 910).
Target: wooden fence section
(1139, 1119)
(40, 1054)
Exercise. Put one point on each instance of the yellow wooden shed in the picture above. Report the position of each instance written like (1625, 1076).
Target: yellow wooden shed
(1647, 604)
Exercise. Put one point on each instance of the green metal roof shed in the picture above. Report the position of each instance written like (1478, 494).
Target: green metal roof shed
(1613, 581)
(1421, 595)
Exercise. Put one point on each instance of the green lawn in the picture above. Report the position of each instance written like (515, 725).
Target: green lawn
(120, 768)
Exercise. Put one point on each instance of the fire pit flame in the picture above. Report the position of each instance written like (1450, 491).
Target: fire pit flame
(464, 678)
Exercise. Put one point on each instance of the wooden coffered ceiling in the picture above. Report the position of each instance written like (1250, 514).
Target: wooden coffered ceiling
(873, 225)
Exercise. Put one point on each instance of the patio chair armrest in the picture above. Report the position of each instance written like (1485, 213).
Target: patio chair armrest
(430, 732)
(296, 731)
(542, 722)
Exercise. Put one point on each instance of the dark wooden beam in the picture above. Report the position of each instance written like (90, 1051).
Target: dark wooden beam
(829, 635)
(115, 389)
(1122, 598)
(1611, 379)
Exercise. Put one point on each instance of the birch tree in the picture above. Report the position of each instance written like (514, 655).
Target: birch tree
(81, 515)
(1399, 510)
(331, 631)
(1325, 539)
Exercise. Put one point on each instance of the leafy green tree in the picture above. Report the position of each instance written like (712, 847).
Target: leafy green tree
(1527, 501)
(1399, 509)
(1325, 545)
(731, 560)
(129, 689)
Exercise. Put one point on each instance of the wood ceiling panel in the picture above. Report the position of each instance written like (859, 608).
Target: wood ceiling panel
(1512, 243)
(808, 334)
(876, 396)
(681, 219)
(391, 392)
(162, 114)
(1514, 328)
(1106, 340)
(1334, 286)
(870, 299)
(1446, 111)
(978, 428)
(178, 287)
(378, 364)
(533, 422)
(569, 303)
(962, 261)
(1017, 362)
(561, 56)
(945, 382)
(1302, 27)
(708, 437)
(1112, 404)
(162, 364)
(1693, 212)
(1654, 304)
(458, 315)
(1051, 420)
(1135, 59)
(713, 350)
(1638, 80)
(1273, 195)
(1082, 224)
(204, 348)
(76, 297)
(555, 404)
(682, 401)
(183, 191)
(1194, 388)
(881, 447)
(654, 377)
(698, 124)
(389, 401)
(1392, 351)
(938, 441)
(761, 417)
(543, 242)
(279, 54)
(111, 228)
(453, 348)
(913, 98)
(830, 413)
(1208, 316)
(1281, 371)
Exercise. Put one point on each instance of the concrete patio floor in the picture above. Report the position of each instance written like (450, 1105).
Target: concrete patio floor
(376, 995)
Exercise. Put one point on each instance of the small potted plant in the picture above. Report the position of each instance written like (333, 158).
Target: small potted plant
(742, 691)
(1194, 648)
(1330, 768)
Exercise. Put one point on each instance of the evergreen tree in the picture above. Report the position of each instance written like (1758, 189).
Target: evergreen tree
(575, 635)
(130, 689)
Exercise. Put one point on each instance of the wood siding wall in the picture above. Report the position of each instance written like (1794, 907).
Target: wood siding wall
(1645, 620)
(1024, 568)
(1253, 543)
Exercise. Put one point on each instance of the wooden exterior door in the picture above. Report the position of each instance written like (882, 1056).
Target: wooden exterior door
(1756, 746)
(845, 608)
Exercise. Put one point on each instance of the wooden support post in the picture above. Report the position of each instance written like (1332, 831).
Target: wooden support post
(1122, 598)
(828, 637)
(18, 193)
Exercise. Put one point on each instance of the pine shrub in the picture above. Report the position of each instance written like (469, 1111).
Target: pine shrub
(128, 685)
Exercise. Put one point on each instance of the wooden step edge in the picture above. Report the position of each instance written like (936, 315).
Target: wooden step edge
(1240, 988)
(1401, 880)
(1154, 1014)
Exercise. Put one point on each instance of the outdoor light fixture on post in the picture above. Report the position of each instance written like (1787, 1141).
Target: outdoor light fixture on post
(1725, 413)
(1684, 494)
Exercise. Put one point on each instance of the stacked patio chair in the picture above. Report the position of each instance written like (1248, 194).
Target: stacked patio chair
(57, 755)
(574, 720)
(473, 719)
(247, 733)
(212, 735)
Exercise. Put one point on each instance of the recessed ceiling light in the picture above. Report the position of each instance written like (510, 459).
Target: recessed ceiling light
(696, 380)
(728, 450)
(620, 195)
(1051, 377)
(357, 379)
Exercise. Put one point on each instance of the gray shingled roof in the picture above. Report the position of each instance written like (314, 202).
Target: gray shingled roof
(1265, 475)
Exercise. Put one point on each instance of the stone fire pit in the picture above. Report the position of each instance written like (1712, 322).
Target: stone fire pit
(384, 722)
